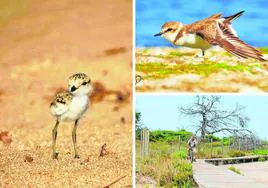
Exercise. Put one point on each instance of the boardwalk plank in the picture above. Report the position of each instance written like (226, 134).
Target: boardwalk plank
(209, 176)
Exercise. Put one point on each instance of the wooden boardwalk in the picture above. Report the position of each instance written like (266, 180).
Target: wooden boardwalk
(210, 176)
(236, 160)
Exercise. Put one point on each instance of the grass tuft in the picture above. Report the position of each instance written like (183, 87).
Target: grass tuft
(235, 170)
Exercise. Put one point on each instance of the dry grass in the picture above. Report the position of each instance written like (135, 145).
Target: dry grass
(44, 44)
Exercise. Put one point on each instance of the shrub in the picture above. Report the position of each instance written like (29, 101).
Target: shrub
(179, 155)
(201, 155)
(236, 153)
(261, 159)
(214, 138)
(165, 164)
(166, 178)
(216, 144)
(169, 136)
(226, 141)
(261, 152)
(184, 175)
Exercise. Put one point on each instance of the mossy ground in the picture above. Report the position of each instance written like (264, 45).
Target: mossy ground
(157, 70)
(160, 65)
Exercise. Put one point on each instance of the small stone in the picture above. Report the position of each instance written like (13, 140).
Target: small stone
(28, 159)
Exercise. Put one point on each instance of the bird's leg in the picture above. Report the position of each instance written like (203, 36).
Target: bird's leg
(74, 139)
(54, 137)
(203, 52)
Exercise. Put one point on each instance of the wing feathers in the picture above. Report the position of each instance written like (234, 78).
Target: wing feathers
(234, 45)
(217, 30)
(233, 17)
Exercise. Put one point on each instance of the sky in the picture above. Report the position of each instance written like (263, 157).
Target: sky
(151, 14)
(161, 111)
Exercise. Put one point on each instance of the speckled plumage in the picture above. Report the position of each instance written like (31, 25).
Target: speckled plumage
(71, 105)
(78, 79)
(60, 105)
(64, 97)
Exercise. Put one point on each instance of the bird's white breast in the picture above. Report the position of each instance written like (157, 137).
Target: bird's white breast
(77, 108)
(193, 41)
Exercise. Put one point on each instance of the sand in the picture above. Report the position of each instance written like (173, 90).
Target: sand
(42, 43)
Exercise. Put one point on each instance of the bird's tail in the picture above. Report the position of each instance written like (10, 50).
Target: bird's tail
(233, 17)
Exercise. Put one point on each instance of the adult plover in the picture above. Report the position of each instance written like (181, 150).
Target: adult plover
(70, 106)
(203, 34)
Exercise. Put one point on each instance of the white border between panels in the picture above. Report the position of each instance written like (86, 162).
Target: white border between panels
(133, 93)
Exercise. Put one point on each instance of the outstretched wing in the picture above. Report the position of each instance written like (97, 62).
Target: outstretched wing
(234, 45)
(218, 32)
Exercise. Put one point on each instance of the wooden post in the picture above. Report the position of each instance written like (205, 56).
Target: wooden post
(222, 146)
(179, 142)
(239, 144)
(141, 147)
(145, 142)
(211, 147)
(229, 144)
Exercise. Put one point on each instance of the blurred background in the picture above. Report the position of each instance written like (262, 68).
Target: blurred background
(150, 15)
(42, 43)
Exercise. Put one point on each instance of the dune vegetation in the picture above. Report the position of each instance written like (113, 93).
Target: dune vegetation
(183, 69)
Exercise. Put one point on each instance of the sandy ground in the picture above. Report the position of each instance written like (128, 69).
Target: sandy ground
(41, 45)
(184, 70)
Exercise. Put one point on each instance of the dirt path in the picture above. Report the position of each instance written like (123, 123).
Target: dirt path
(41, 44)
(209, 176)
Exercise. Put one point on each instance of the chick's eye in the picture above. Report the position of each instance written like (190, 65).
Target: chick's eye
(84, 83)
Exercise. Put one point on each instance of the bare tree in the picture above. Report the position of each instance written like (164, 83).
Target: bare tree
(213, 119)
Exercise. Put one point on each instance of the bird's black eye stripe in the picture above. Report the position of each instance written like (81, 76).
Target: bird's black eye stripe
(169, 29)
(88, 82)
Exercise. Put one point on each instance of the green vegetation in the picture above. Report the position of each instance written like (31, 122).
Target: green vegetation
(236, 153)
(174, 54)
(158, 70)
(179, 54)
(170, 136)
(261, 159)
(167, 162)
(166, 165)
(138, 125)
(264, 50)
(260, 152)
(232, 168)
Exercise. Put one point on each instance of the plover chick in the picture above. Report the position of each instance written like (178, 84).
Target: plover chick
(211, 31)
(70, 106)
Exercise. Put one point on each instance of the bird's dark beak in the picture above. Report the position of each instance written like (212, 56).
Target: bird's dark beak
(158, 34)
